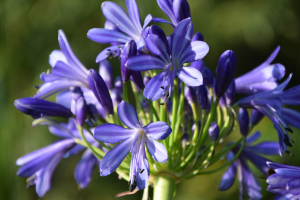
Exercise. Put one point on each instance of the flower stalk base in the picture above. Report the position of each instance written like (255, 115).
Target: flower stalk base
(164, 187)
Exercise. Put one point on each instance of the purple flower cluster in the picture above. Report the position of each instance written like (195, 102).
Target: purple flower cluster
(159, 67)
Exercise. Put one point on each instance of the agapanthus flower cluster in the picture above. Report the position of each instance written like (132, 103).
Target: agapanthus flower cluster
(182, 111)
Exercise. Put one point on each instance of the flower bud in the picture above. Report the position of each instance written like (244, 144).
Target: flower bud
(197, 37)
(81, 111)
(202, 97)
(105, 71)
(230, 93)
(100, 90)
(190, 94)
(137, 79)
(145, 105)
(129, 50)
(146, 80)
(213, 131)
(119, 84)
(243, 121)
(39, 108)
(116, 97)
(256, 116)
(225, 72)
(93, 112)
(76, 94)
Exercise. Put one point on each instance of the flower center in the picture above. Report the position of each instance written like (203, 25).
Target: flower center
(141, 133)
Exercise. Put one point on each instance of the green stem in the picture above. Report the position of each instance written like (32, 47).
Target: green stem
(224, 151)
(196, 119)
(138, 104)
(228, 163)
(210, 119)
(125, 91)
(98, 153)
(162, 114)
(153, 110)
(174, 109)
(178, 121)
(164, 187)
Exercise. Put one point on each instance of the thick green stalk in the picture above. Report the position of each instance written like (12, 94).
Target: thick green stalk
(125, 91)
(164, 187)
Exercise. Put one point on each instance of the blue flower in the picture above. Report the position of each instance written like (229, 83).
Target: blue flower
(284, 180)
(134, 140)
(67, 70)
(119, 29)
(40, 164)
(246, 179)
(170, 58)
(262, 78)
(270, 103)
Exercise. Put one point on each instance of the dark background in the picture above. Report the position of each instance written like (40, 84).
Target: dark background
(252, 29)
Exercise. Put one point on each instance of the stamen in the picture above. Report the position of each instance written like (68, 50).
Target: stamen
(288, 129)
(36, 87)
(141, 171)
(30, 181)
(133, 185)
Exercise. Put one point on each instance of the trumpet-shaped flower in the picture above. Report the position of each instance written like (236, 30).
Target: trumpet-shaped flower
(284, 180)
(119, 29)
(246, 179)
(133, 139)
(67, 70)
(170, 59)
(40, 164)
(270, 103)
(262, 78)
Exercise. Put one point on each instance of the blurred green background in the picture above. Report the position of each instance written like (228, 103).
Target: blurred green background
(252, 29)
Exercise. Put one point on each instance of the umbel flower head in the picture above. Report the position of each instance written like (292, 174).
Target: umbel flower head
(133, 140)
(151, 64)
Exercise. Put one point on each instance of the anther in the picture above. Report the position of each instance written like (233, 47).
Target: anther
(36, 87)
(288, 129)
(133, 185)
(141, 171)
